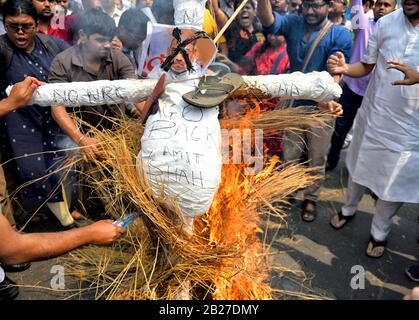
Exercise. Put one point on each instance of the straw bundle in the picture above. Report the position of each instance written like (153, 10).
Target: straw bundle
(158, 260)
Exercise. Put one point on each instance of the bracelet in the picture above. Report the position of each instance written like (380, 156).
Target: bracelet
(81, 139)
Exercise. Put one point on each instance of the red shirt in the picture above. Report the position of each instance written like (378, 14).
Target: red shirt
(61, 33)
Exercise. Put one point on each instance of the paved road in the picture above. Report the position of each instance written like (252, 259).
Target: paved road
(324, 254)
(327, 255)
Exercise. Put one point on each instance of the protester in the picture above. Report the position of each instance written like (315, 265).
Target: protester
(92, 59)
(382, 133)
(300, 34)
(30, 131)
(111, 10)
(132, 31)
(243, 33)
(354, 88)
(52, 21)
(295, 7)
(337, 11)
(16, 248)
(280, 6)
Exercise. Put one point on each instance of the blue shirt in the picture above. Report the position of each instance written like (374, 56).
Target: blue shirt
(294, 27)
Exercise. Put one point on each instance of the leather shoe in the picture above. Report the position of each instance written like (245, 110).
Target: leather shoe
(15, 267)
(8, 289)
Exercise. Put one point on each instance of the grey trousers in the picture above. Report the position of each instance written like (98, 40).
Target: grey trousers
(383, 217)
(316, 141)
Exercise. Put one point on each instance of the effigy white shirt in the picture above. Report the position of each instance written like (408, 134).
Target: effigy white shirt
(181, 150)
(384, 153)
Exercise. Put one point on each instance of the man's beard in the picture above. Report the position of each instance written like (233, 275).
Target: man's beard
(45, 18)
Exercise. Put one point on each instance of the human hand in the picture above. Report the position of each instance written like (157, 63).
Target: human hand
(21, 93)
(117, 44)
(89, 148)
(137, 111)
(336, 64)
(411, 76)
(224, 59)
(332, 107)
(104, 232)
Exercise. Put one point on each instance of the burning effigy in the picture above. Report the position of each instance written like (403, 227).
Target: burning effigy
(200, 228)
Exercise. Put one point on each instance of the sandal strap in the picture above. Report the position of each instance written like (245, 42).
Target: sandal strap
(342, 217)
(223, 87)
(376, 243)
(214, 83)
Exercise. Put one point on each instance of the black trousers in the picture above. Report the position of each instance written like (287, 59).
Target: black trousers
(351, 103)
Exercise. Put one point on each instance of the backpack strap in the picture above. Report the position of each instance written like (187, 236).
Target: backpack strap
(51, 46)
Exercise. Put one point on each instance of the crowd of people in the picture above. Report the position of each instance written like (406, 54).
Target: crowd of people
(369, 47)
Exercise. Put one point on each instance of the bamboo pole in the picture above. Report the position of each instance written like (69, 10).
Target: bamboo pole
(230, 21)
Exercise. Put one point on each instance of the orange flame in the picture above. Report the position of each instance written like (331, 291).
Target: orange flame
(235, 223)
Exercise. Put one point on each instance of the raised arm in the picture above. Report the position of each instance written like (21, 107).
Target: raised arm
(265, 14)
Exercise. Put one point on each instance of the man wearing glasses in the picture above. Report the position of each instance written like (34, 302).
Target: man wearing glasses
(300, 33)
(294, 7)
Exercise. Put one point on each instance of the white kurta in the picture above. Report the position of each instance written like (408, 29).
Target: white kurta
(384, 153)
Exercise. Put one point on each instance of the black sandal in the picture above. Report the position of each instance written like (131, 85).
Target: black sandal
(309, 215)
(375, 244)
(341, 217)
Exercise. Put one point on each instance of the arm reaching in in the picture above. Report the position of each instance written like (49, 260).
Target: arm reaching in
(336, 65)
(332, 107)
(18, 248)
(20, 95)
(87, 144)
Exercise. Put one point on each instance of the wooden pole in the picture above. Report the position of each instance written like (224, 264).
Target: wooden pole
(229, 22)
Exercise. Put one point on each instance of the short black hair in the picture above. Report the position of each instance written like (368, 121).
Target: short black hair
(133, 20)
(163, 8)
(96, 21)
(16, 8)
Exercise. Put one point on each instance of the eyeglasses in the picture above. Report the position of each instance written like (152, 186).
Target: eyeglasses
(314, 6)
(24, 27)
(295, 5)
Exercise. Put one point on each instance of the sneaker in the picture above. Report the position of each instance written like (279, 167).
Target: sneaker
(8, 289)
(413, 273)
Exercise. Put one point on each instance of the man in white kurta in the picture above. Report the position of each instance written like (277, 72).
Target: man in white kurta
(384, 153)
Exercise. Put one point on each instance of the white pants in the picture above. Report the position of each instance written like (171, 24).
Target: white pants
(383, 217)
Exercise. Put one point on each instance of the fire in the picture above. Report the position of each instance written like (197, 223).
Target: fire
(234, 221)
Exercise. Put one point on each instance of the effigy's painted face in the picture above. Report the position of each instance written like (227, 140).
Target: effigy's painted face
(179, 64)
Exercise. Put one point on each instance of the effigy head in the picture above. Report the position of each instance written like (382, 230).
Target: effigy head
(187, 47)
